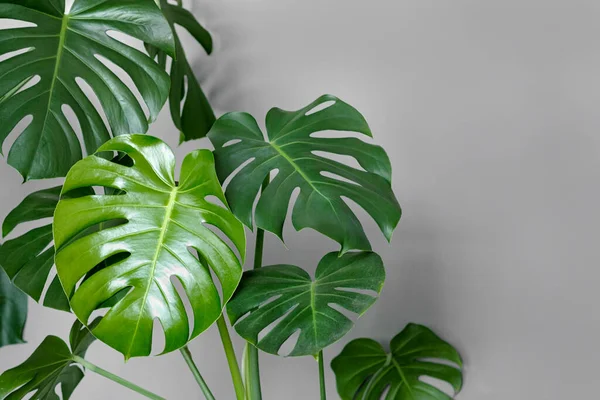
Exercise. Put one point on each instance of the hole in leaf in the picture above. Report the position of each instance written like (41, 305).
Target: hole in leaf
(8, 23)
(337, 177)
(93, 98)
(217, 231)
(127, 39)
(341, 158)
(126, 79)
(265, 331)
(368, 292)
(346, 313)
(158, 337)
(438, 384)
(185, 300)
(232, 142)
(385, 392)
(288, 346)
(74, 122)
(320, 107)
(30, 83)
(18, 129)
(342, 134)
(273, 174)
(235, 172)
(12, 54)
(215, 200)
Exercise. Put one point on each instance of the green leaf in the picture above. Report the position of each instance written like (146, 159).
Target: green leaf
(363, 370)
(163, 223)
(195, 117)
(290, 150)
(29, 258)
(50, 366)
(60, 49)
(13, 312)
(288, 293)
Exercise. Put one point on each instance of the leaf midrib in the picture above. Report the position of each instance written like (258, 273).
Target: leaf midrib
(159, 245)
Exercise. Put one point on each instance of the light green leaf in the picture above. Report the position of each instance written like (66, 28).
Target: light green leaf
(158, 223)
(323, 182)
(13, 312)
(50, 366)
(288, 293)
(363, 370)
(62, 48)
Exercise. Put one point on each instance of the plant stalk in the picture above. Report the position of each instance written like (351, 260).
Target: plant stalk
(88, 365)
(236, 375)
(322, 376)
(187, 356)
(253, 373)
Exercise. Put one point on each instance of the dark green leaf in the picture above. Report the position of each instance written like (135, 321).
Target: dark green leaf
(62, 48)
(288, 293)
(363, 370)
(162, 222)
(29, 258)
(50, 366)
(290, 150)
(13, 312)
(196, 116)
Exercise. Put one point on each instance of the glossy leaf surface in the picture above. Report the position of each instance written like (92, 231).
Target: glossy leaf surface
(13, 312)
(49, 368)
(29, 258)
(291, 149)
(157, 225)
(363, 370)
(190, 110)
(288, 294)
(62, 50)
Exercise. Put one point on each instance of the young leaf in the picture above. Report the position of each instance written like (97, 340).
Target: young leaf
(363, 370)
(50, 366)
(290, 149)
(62, 48)
(29, 258)
(158, 225)
(288, 292)
(196, 116)
(13, 312)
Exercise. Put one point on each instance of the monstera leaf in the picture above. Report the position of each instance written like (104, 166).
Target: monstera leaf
(161, 224)
(288, 293)
(61, 49)
(51, 365)
(363, 370)
(13, 312)
(298, 158)
(29, 258)
(195, 117)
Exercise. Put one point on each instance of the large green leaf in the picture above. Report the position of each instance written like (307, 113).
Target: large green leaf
(164, 221)
(363, 370)
(51, 366)
(195, 117)
(62, 48)
(13, 312)
(290, 149)
(288, 294)
(29, 258)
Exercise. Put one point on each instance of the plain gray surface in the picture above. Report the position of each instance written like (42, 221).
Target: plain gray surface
(489, 111)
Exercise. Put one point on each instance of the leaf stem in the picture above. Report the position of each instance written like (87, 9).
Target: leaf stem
(236, 375)
(88, 365)
(322, 376)
(253, 373)
(187, 356)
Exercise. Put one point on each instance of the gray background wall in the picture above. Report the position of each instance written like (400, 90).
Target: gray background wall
(489, 111)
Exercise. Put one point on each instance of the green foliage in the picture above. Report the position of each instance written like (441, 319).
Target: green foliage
(290, 149)
(155, 223)
(363, 370)
(29, 258)
(63, 47)
(13, 312)
(50, 366)
(288, 293)
(195, 117)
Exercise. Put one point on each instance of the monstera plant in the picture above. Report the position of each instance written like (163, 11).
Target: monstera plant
(133, 240)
